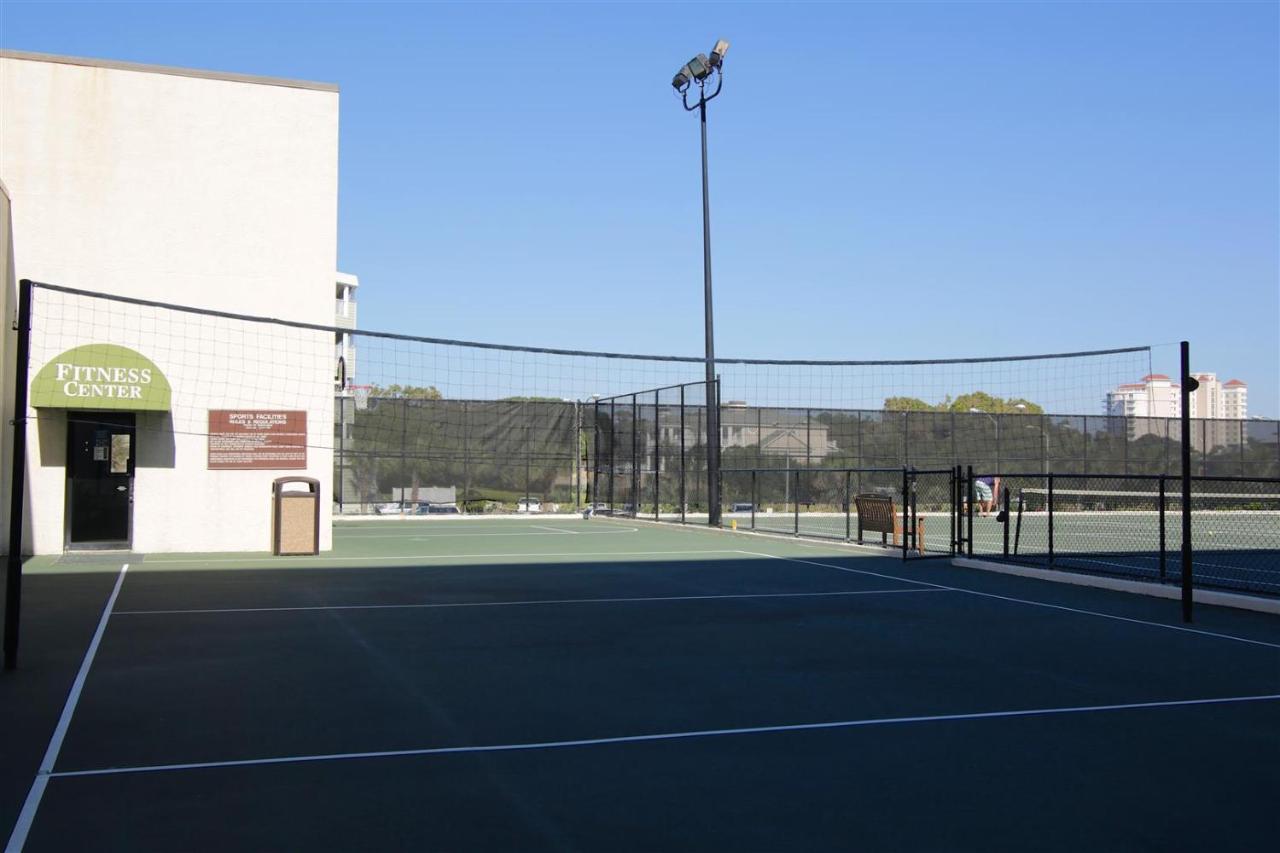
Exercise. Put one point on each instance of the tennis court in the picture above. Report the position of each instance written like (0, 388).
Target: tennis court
(567, 684)
(1123, 545)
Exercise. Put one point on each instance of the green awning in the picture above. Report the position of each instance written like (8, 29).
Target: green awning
(101, 376)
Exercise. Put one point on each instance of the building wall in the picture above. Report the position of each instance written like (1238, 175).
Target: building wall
(1235, 399)
(190, 189)
(8, 347)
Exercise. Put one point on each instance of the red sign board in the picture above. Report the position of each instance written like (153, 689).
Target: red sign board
(256, 439)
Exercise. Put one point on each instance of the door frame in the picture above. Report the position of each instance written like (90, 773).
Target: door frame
(125, 544)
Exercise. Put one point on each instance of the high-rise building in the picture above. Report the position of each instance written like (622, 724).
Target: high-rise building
(1154, 397)
(1157, 397)
(1235, 400)
(1206, 400)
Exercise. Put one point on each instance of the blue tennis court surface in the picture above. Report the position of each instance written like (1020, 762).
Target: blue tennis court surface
(560, 684)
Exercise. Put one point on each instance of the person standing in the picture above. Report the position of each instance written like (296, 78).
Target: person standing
(985, 489)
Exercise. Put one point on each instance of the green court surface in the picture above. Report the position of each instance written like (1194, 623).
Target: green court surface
(556, 683)
(1239, 552)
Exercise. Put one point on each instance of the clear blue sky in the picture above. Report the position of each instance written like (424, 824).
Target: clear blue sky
(889, 180)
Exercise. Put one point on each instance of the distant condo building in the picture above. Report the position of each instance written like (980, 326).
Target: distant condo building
(1235, 400)
(1158, 397)
(1154, 397)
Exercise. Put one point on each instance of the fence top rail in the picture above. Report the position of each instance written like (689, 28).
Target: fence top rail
(1069, 493)
(1120, 475)
(629, 394)
(689, 359)
(1060, 475)
(798, 469)
(1206, 478)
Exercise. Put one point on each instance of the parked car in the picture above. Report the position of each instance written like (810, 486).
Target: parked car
(741, 507)
(426, 508)
(529, 505)
(386, 509)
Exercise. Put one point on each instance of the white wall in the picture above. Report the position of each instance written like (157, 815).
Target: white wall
(8, 347)
(187, 189)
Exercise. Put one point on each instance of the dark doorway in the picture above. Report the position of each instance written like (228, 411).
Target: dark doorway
(101, 447)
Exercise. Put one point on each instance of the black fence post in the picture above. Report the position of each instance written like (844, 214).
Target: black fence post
(17, 482)
(613, 449)
(1050, 510)
(808, 449)
(968, 479)
(466, 452)
(342, 446)
(1044, 445)
(1189, 384)
(1017, 528)
(848, 504)
(1004, 494)
(595, 465)
(1084, 441)
(657, 456)
(753, 498)
(906, 438)
(860, 464)
(955, 457)
(759, 432)
(1163, 558)
(578, 457)
(528, 462)
(1243, 436)
(917, 529)
(906, 511)
(1125, 447)
(635, 456)
(682, 478)
(795, 503)
(404, 438)
(713, 453)
(954, 509)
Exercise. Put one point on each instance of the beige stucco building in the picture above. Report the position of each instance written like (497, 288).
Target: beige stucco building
(203, 189)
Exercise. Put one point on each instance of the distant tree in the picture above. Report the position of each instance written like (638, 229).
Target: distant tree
(410, 392)
(993, 405)
(981, 400)
(907, 404)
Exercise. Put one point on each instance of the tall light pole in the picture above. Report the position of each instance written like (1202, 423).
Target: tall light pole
(976, 411)
(699, 71)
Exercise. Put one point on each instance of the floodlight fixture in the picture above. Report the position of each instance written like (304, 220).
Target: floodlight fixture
(717, 53)
(681, 81)
(699, 67)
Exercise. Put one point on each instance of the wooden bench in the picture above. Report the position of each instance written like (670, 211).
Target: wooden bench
(877, 514)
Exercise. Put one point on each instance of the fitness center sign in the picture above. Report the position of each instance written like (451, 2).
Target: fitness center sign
(101, 376)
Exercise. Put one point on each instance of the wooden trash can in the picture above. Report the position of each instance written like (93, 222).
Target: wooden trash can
(295, 527)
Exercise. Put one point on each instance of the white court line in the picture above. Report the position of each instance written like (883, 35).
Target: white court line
(704, 733)
(1037, 603)
(32, 804)
(415, 535)
(298, 561)
(1174, 561)
(521, 603)
(851, 571)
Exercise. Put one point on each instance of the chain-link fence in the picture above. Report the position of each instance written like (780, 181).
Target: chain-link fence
(422, 455)
(1129, 526)
(905, 510)
(497, 453)
(648, 453)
